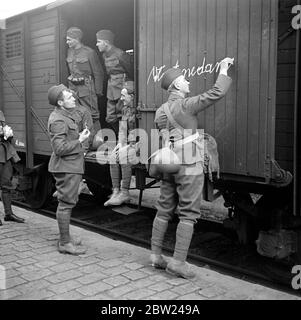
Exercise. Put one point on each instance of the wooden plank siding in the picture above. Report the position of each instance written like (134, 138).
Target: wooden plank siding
(285, 89)
(44, 73)
(199, 34)
(12, 105)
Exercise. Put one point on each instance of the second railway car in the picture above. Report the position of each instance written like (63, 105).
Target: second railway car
(256, 125)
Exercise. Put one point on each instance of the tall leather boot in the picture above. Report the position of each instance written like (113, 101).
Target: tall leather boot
(9, 215)
(177, 265)
(158, 233)
(65, 244)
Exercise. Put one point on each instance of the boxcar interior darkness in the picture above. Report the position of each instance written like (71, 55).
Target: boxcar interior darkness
(115, 15)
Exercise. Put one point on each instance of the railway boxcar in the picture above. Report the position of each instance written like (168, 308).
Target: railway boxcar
(256, 125)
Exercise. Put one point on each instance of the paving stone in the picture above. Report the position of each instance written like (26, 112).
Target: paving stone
(27, 269)
(110, 263)
(212, 291)
(64, 276)
(25, 254)
(9, 258)
(161, 286)
(26, 261)
(12, 273)
(135, 275)
(45, 264)
(142, 283)
(185, 288)
(99, 297)
(8, 294)
(164, 295)
(35, 295)
(32, 286)
(90, 278)
(35, 275)
(91, 268)
(177, 281)
(110, 255)
(13, 282)
(65, 286)
(120, 291)
(71, 295)
(133, 266)
(116, 281)
(82, 261)
(139, 294)
(192, 296)
(94, 288)
(116, 270)
(63, 267)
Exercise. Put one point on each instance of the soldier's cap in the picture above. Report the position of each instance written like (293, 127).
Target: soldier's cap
(169, 76)
(54, 92)
(129, 86)
(107, 35)
(75, 33)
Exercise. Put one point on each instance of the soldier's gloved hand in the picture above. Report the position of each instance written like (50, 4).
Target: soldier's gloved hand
(84, 135)
(225, 65)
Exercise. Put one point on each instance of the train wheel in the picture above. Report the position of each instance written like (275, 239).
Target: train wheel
(42, 189)
(100, 193)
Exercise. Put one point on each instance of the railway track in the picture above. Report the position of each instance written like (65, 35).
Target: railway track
(212, 246)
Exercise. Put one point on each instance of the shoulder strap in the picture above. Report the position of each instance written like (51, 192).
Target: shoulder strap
(171, 119)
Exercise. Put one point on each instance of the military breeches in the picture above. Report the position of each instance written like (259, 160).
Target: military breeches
(6, 175)
(112, 113)
(90, 102)
(183, 190)
(67, 185)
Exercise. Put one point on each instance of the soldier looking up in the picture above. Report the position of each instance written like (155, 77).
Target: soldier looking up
(66, 161)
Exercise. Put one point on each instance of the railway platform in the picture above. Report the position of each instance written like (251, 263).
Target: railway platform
(32, 269)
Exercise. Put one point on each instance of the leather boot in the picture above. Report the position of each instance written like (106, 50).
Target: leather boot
(113, 199)
(180, 269)
(70, 248)
(158, 261)
(9, 215)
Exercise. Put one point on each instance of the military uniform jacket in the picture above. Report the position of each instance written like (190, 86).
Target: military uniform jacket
(7, 149)
(84, 62)
(68, 153)
(119, 68)
(185, 112)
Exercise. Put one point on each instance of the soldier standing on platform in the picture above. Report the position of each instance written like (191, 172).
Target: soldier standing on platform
(182, 190)
(66, 162)
(119, 69)
(86, 73)
(8, 155)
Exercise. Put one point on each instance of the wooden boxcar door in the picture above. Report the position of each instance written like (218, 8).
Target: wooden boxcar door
(195, 35)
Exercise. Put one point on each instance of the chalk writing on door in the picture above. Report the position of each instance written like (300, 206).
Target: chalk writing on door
(157, 73)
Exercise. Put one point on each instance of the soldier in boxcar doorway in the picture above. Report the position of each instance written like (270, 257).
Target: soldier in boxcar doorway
(86, 73)
(124, 155)
(182, 190)
(119, 70)
(8, 155)
(66, 162)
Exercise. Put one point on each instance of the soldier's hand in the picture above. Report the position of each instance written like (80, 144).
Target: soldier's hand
(225, 65)
(84, 135)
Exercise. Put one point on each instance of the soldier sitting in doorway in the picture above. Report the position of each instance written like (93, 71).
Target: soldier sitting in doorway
(86, 74)
(8, 155)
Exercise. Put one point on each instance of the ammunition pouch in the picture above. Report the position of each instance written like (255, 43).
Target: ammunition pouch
(77, 81)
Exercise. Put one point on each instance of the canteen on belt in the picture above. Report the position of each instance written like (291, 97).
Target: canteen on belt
(164, 160)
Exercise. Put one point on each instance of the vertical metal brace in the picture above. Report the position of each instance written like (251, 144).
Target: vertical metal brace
(28, 96)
